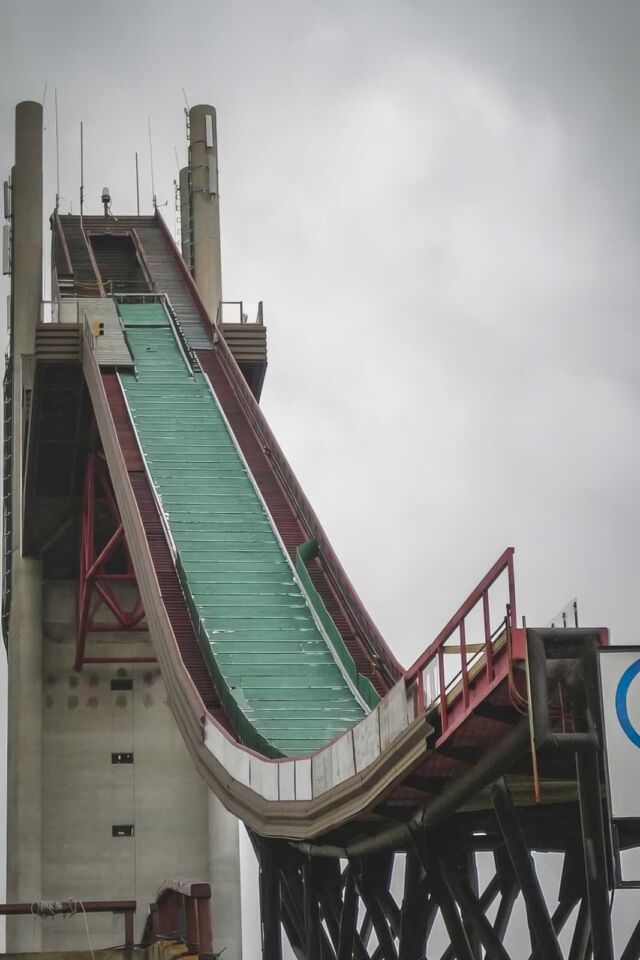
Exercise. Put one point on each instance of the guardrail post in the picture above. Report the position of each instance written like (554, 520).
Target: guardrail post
(270, 905)
(463, 663)
(205, 932)
(443, 691)
(512, 590)
(191, 922)
(129, 938)
(540, 925)
(487, 634)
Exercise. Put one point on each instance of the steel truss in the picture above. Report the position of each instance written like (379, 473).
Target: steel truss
(104, 563)
(334, 905)
(336, 909)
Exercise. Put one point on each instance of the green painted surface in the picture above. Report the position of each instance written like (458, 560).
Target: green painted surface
(271, 663)
(304, 554)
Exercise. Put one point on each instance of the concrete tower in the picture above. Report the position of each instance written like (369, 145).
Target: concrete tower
(200, 214)
(24, 772)
(205, 206)
(104, 802)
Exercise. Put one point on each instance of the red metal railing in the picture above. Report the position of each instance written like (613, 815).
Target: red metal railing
(59, 234)
(182, 911)
(70, 907)
(378, 649)
(480, 665)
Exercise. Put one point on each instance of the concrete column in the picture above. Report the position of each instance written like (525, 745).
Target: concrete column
(27, 227)
(185, 216)
(224, 877)
(24, 755)
(224, 841)
(26, 281)
(24, 751)
(205, 206)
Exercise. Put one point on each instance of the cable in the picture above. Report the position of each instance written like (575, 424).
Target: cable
(86, 925)
(53, 909)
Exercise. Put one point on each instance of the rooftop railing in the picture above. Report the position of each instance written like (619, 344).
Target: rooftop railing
(233, 311)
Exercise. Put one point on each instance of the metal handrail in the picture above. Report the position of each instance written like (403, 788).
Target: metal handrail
(63, 239)
(377, 648)
(176, 328)
(432, 661)
(92, 260)
(54, 908)
(244, 319)
(55, 310)
(144, 286)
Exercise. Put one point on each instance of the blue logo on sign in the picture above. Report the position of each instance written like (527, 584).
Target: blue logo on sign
(622, 708)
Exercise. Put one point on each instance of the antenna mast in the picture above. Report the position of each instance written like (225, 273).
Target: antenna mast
(81, 173)
(137, 186)
(57, 154)
(153, 189)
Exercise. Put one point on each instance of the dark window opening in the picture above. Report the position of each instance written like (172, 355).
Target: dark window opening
(122, 830)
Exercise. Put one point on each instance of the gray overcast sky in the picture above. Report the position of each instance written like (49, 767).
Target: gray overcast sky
(438, 204)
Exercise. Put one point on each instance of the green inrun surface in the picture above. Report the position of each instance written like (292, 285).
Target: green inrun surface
(272, 665)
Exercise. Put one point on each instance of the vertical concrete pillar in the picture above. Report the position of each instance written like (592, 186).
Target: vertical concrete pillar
(24, 754)
(185, 216)
(27, 226)
(205, 206)
(224, 877)
(204, 254)
(24, 751)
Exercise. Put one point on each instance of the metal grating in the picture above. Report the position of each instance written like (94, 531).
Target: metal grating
(286, 518)
(260, 637)
(170, 589)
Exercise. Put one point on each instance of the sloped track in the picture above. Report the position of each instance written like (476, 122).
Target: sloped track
(420, 776)
(307, 796)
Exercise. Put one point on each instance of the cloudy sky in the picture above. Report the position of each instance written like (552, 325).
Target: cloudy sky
(438, 205)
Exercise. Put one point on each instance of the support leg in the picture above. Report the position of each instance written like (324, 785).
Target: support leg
(581, 934)
(450, 915)
(270, 907)
(471, 908)
(311, 910)
(537, 913)
(372, 873)
(632, 949)
(594, 854)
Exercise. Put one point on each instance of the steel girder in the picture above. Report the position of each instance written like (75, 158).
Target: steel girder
(335, 905)
(104, 563)
(333, 909)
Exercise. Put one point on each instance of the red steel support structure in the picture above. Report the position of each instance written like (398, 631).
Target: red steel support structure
(182, 911)
(104, 563)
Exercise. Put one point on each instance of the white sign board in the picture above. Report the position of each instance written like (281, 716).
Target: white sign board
(620, 687)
